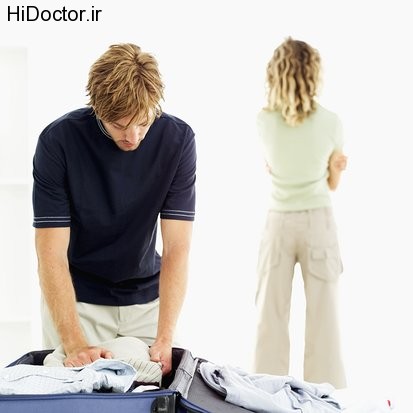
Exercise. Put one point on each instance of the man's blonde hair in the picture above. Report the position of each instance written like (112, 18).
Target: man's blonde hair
(125, 82)
(293, 75)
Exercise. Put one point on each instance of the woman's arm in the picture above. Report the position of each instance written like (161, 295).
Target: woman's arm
(336, 164)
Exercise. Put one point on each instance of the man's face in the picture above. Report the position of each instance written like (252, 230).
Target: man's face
(126, 138)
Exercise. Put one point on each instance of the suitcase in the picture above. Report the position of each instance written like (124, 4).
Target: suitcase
(183, 391)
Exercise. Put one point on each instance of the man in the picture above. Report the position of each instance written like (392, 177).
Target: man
(103, 175)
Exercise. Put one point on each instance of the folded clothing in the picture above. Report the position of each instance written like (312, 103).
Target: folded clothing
(103, 374)
(129, 350)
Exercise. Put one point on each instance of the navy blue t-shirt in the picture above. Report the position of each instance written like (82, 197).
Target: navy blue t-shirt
(111, 200)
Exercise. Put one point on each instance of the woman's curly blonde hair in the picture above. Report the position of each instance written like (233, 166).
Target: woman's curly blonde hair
(125, 82)
(293, 75)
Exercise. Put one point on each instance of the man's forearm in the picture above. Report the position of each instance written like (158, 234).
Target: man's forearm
(58, 292)
(56, 285)
(172, 289)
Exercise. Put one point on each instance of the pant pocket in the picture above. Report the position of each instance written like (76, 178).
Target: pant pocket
(325, 262)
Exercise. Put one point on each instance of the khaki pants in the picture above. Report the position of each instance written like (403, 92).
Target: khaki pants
(103, 322)
(310, 239)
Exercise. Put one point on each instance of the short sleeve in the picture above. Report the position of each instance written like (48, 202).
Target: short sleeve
(180, 200)
(51, 205)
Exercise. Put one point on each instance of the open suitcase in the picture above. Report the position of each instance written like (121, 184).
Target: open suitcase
(183, 391)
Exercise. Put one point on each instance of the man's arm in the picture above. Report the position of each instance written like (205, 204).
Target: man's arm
(176, 237)
(336, 164)
(57, 288)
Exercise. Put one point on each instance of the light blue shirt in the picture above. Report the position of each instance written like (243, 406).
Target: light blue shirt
(266, 393)
(101, 374)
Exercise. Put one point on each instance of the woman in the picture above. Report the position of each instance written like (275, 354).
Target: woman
(302, 144)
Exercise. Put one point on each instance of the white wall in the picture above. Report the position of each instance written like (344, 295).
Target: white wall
(15, 216)
(213, 56)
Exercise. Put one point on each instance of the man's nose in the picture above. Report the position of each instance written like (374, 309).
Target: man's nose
(132, 134)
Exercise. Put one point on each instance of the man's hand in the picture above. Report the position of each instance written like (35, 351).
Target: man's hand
(86, 355)
(162, 353)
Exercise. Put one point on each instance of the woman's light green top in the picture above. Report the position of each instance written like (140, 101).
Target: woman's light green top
(298, 158)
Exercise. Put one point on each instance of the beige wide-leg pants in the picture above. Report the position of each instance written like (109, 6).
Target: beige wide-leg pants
(103, 322)
(310, 239)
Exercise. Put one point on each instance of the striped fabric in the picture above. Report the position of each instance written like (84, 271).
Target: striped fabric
(130, 350)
